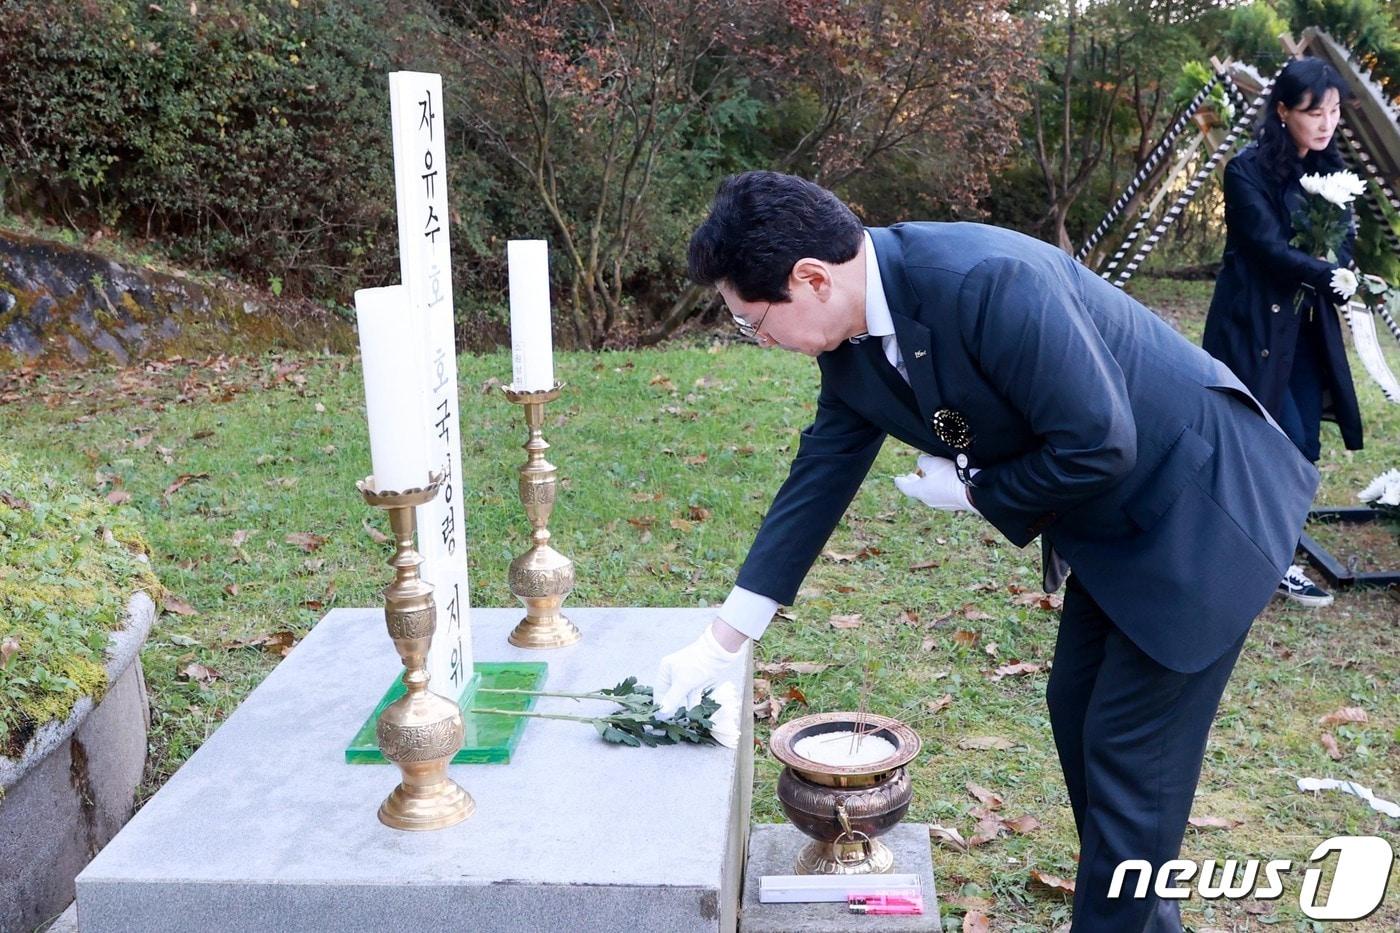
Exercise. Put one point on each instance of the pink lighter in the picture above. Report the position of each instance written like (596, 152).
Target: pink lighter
(885, 904)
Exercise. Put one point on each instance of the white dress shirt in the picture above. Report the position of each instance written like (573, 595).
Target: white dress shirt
(750, 612)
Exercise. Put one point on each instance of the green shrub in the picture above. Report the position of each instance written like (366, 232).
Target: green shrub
(250, 135)
(68, 564)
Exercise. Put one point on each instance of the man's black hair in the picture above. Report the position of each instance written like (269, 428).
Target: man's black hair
(760, 224)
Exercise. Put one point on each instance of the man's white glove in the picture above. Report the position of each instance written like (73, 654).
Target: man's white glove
(683, 675)
(935, 483)
(724, 724)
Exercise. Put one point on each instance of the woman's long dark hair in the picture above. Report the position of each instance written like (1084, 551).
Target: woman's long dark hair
(1304, 80)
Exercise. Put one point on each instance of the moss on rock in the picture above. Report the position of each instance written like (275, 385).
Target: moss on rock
(68, 564)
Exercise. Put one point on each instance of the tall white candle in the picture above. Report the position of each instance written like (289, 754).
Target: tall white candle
(532, 349)
(391, 356)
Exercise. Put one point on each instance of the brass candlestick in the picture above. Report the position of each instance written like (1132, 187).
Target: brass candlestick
(541, 577)
(420, 731)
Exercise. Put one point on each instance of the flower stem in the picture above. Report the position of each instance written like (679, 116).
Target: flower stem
(550, 693)
(521, 712)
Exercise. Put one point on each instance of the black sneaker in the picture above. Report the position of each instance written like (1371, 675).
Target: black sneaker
(1296, 586)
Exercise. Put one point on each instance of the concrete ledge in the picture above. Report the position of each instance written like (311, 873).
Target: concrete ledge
(773, 848)
(74, 787)
(266, 827)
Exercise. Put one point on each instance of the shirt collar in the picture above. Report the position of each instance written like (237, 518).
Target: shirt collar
(878, 321)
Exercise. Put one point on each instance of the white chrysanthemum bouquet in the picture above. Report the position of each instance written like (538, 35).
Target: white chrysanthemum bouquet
(1383, 493)
(1321, 227)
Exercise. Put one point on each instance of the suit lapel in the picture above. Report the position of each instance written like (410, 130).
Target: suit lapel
(915, 340)
(916, 346)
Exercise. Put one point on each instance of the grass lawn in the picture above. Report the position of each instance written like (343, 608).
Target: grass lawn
(669, 460)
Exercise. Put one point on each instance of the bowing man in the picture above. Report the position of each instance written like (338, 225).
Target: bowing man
(1053, 405)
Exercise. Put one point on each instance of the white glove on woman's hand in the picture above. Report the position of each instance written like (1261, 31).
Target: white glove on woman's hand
(683, 675)
(936, 484)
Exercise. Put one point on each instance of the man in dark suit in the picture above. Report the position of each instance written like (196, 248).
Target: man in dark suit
(1055, 406)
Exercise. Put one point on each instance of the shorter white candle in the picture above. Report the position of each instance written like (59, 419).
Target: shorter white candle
(835, 748)
(391, 355)
(531, 344)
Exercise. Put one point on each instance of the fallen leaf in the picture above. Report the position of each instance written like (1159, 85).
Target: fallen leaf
(172, 603)
(663, 381)
(375, 535)
(986, 743)
(929, 643)
(988, 798)
(118, 496)
(1345, 714)
(1022, 825)
(840, 558)
(642, 522)
(948, 836)
(974, 921)
(1214, 822)
(797, 696)
(769, 709)
(908, 617)
(306, 540)
(1019, 669)
(278, 643)
(180, 481)
(973, 614)
(964, 637)
(940, 704)
(848, 621)
(1046, 601)
(14, 501)
(991, 649)
(697, 459)
(681, 524)
(1046, 883)
(8, 649)
(313, 564)
(240, 537)
(699, 513)
(924, 565)
(231, 589)
(1329, 742)
(199, 673)
(988, 828)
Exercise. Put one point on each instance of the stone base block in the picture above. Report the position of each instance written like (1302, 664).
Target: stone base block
(773, 848)
(267, 828)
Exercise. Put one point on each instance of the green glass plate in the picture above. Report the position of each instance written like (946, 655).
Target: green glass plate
(490, 739)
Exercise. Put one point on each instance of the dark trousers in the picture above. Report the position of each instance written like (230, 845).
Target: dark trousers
(1131, 735)
(1301, 417)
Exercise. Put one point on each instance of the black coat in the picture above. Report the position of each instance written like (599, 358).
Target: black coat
(1265, 291)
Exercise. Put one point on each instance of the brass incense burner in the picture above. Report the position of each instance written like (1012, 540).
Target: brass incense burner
(541, 577)
(844, 808)
(420, 731)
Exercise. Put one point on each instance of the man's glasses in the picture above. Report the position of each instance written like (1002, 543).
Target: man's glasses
(750, 331)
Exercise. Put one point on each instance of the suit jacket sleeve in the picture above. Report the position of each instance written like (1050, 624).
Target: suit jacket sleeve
(1255, 224)
(1030, 333)
(833, 456)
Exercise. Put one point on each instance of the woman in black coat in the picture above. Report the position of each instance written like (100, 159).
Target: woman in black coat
(1273, 318)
